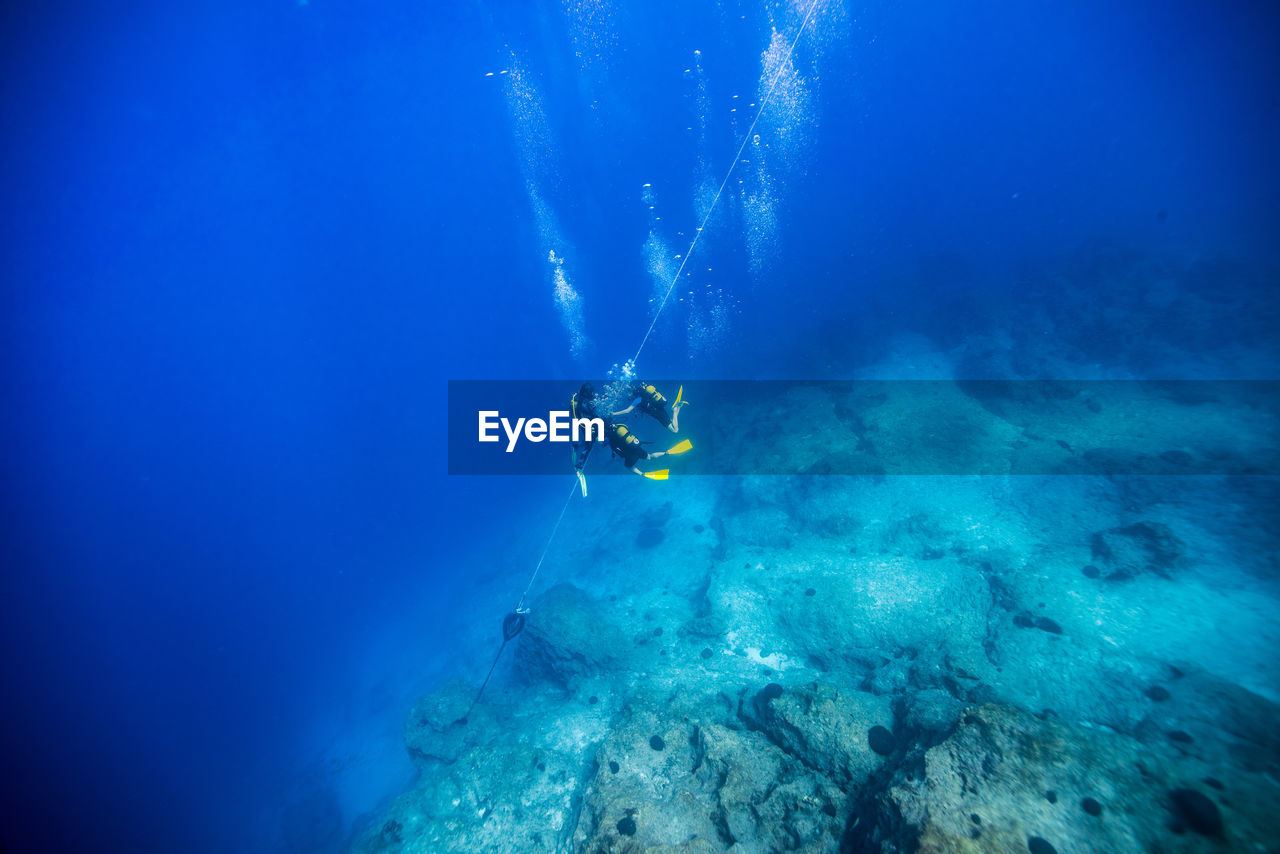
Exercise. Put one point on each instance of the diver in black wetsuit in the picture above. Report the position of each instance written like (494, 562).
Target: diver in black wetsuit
(583, 405)
(624, 444)
(647, 398)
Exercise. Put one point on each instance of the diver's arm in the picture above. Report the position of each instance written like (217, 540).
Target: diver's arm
(633, 405)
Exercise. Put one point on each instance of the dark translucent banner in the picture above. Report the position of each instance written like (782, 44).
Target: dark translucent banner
(1183, 427)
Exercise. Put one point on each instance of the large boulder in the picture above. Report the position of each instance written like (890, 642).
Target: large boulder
(433, 729)
(570, 637)
(1006, 778)
(1128, 551)
(825, 729)
(510, 780)
(665, 785)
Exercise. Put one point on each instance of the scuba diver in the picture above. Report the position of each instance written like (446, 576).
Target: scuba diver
(583, 405)
(651, 402)
(622, 442)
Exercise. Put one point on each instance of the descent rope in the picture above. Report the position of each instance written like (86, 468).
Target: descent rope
(520, 609)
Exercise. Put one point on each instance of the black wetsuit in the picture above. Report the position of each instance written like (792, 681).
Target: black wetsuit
(582, 409)
(625, 444)
(652, 403)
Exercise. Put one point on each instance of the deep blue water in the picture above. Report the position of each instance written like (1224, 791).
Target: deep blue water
(246, 245)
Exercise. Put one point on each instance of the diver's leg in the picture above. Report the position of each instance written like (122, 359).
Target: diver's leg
(675, 415)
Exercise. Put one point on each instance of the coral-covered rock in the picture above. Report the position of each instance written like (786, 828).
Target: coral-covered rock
(713, 789)
(1000, 763)
(570, 637)
(828, 730)
(433, 731)
(1141, 548)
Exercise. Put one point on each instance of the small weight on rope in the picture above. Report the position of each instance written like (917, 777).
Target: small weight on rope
(512, 625)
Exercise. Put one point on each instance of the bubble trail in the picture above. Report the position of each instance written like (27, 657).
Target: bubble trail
(764, 102)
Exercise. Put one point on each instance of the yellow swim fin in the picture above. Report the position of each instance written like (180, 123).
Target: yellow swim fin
(660, 474)
(582, 483)
(680, 447)
(679, 394)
